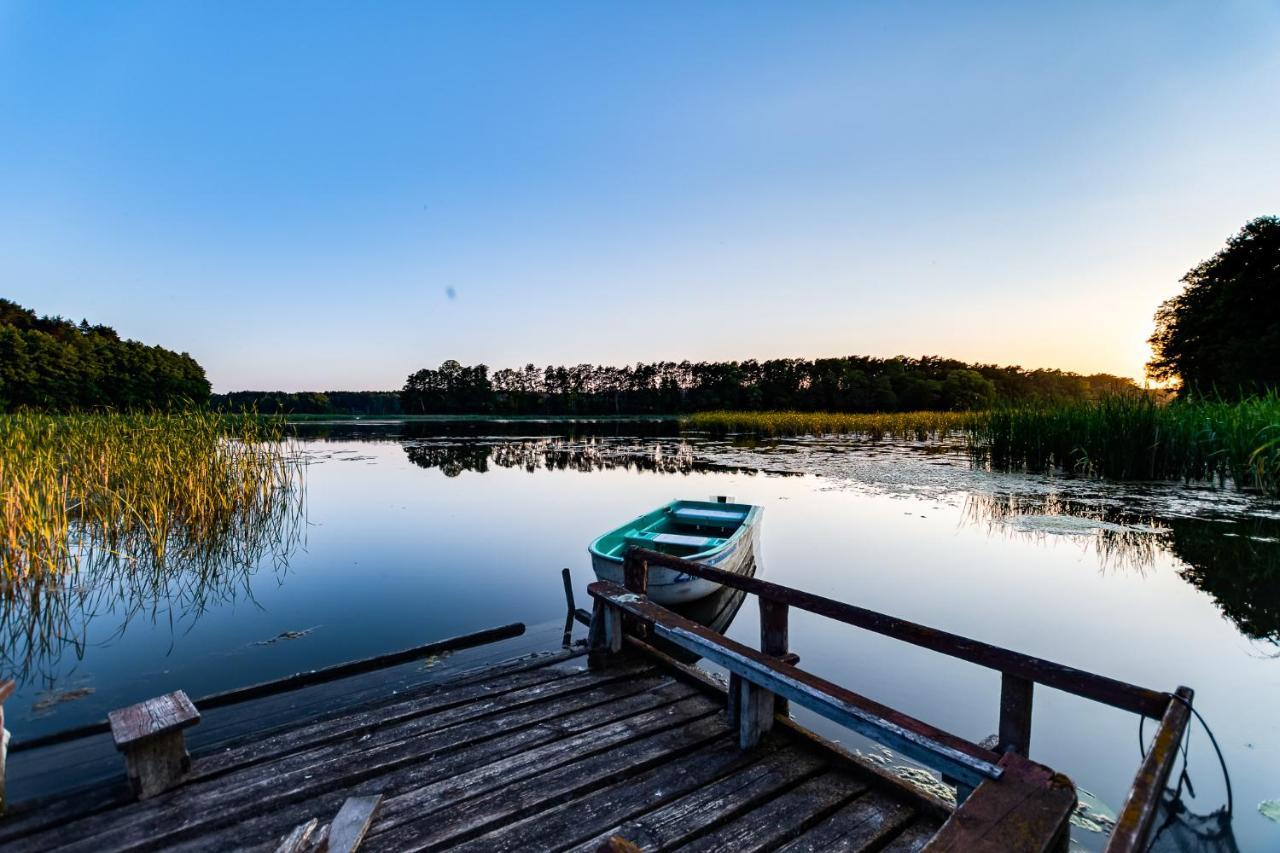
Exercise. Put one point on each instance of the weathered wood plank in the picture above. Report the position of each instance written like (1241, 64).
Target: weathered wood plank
(466, 702)
(783, 817)
(575, 821)
(203, 807)
(912, 839)
(1026, 809)
(299, 839)
(483, 766)
(350, 824)
(31, 816)
(420, 819)
(152, 718)
(718, 802)
(861, 825)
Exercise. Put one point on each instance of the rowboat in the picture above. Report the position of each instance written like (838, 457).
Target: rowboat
(719, 534)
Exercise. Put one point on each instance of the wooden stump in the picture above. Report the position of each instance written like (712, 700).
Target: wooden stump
(150, 734)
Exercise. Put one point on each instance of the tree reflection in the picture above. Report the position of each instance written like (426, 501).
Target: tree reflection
(561, 454)
(1235, 560)
(45, 618)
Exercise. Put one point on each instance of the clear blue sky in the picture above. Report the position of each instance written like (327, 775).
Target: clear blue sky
(289, 191)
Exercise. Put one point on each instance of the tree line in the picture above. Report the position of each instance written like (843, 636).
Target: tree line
(309, 402)
(53, 364)
(848, 384)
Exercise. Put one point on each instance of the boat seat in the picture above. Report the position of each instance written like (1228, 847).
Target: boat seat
(697, 543)
(709, 517)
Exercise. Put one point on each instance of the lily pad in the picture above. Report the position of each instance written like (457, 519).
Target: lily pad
(1270, 809)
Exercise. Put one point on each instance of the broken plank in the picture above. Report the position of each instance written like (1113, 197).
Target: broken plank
(349, 826)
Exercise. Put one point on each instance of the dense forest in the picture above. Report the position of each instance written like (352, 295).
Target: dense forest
(53, 364)
(849, 384)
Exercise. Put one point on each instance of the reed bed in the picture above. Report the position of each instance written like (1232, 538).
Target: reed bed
(138, 486)
(1124, 437)
(909, 426)
(1137, 438)
(156, 514)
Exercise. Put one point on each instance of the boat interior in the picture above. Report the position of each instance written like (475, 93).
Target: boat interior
(681, 528)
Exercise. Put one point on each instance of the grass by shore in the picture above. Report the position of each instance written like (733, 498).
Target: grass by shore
(142, 487)
(1129, 437)
(1135, 438)
(918, 426)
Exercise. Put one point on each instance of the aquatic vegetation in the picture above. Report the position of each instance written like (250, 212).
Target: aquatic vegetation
(130, 514)
(1134, 437)
(1122, 437)
(134, 484)
(910, 426)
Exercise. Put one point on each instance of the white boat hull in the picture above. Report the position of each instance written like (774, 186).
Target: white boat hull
(668, 586)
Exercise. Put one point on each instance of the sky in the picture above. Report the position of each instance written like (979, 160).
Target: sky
(332, 195)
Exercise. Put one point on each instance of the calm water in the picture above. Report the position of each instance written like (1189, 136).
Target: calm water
(412, 534)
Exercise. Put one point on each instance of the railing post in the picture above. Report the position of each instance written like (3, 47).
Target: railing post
(635, 574)
(635, 577)
(1015, 714)
(774, 638)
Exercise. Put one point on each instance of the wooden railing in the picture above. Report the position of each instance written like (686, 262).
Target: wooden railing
(760, 678)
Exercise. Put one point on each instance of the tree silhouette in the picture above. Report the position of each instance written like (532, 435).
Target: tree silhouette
(1221, 334)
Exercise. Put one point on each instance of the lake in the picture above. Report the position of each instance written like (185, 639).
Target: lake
(414, 531)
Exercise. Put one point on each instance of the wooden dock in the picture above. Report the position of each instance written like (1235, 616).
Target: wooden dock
(616, 747)
(537, 754)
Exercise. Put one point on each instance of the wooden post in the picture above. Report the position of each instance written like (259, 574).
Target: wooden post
(734, 706)
(6, 690)
(635, 574)
(755, 713)
(604, 638)
(774, 638)
(1015, 714)
(150, 736)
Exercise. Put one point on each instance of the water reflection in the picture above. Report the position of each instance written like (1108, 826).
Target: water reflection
(1235, 560)
(584, 455)
(44, 619)
(392, 430)
(715, 611)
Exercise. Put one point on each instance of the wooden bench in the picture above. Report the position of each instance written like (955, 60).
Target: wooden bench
(150, 734)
